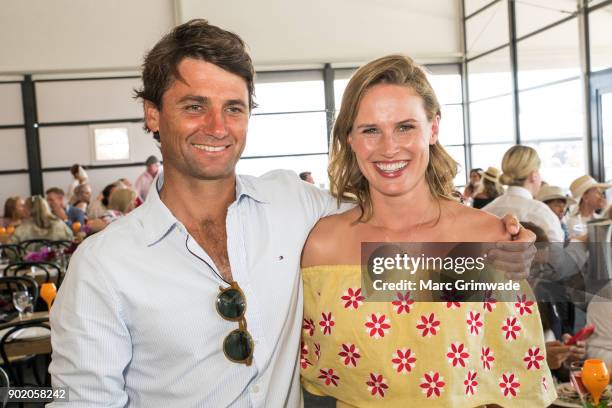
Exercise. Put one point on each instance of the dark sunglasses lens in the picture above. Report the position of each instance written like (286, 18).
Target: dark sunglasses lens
(231, 304)
(238, 345)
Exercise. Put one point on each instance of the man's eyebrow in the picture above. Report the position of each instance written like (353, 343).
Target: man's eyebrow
(238, 102)
(193, 98)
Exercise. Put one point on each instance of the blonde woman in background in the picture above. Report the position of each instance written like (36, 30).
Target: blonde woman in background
(386, 155)
(521, 173)
(489, 189)
(42, 224)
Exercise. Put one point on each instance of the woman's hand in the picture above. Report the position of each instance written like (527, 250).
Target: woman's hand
(514, 257)
(556, 354)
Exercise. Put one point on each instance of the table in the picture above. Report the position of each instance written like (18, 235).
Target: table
(26, 346)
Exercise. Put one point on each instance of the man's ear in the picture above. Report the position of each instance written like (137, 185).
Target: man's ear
(435, 128)
(151, 114)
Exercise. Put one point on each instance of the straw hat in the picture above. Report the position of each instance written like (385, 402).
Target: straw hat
(583, 183)
(547, 193)
(492, 174)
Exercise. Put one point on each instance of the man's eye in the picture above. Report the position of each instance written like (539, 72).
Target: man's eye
(235, 109)
(194, 108)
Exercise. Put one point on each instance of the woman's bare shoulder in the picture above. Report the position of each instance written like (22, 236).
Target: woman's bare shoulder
(326, 239)
(477, 225)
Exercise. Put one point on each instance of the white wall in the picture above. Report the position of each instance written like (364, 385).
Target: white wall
(281, 32)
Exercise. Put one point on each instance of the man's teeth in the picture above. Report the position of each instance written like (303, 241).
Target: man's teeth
(209, 148)
(390, 167)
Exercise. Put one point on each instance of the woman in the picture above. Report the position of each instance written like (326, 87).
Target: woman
(14, 212)
(591, 198)
(386, 154)
(474, 185)
(79, 176)
(489, 190)
(521, 173)
(41, 225)
(121, 202)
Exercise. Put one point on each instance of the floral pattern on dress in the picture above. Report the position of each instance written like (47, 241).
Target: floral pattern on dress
(509, 385)
(377, 325)
(403, 303)
(377, 385)
(429, 326)
(403, 360)
(352, 298)
(349, 355)
(470, 383)
(327, 323)
(523, 306)
(457, 355)
(533, 358)
(511, 328)
(432, 384)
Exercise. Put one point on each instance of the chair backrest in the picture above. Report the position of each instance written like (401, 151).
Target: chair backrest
(15, 283)
(5, 384)
(7, 340)
(14, 268)
(11, 251)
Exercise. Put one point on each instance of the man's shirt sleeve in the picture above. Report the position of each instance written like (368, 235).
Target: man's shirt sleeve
(91, 343)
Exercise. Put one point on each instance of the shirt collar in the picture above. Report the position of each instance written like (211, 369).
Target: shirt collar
(519, 191)
(158, 220)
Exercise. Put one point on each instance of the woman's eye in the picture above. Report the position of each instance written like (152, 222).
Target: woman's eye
(370, 130)
(405, 128)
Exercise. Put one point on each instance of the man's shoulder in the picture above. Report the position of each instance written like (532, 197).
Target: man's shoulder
(120, 236)
(277, 183)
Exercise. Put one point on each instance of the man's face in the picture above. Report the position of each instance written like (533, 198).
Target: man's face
(202, 122)
(86, 194)
(558, 207)
(55, 201)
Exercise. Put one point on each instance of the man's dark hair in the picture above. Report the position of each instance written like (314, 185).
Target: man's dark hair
(199, 40)
(304, 175)
(55, 190)
(74, 169)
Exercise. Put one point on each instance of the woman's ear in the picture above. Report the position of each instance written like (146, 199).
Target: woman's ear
(435, 128)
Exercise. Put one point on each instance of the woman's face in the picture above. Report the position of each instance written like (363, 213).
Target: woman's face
(391, 137)
(474, 177)
(20, 209)
(594, 197)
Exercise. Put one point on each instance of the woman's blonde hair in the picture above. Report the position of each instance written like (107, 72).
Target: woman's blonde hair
(40, 212)
(346, 180)
(518, 163)
(121, 199)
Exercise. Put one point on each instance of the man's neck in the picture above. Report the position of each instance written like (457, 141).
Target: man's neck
(193, 201)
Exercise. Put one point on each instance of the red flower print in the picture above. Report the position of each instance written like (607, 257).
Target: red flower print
(329, 377)
(327, 323)
(377, 384)
(512, 328)
(308, 326)
(429, 325)
(378, 325)
(523, 305)
(304, 362)
(489, 301)
(533, 357)
(432, 384)
(470, 383)
(486, 356)
(457, 354)
(318, 351)
(509, 385)
(403, 303)
(474, 323)
(349, 354)
(352, 298)
(403, 361)
(453, 305)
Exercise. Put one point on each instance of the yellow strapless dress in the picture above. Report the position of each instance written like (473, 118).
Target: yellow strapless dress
(419, 354)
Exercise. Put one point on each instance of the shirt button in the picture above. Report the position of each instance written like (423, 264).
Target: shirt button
(256, 389)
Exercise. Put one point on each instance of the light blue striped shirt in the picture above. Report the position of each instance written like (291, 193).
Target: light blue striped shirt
(135, 324)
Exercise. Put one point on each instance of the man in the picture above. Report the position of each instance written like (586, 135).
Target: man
(307, 177)
(151, 312)
(144, 181)
(61, 209)
(558, 202)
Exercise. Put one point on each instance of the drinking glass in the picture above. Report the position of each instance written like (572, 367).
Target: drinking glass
(48, 291)
(576, 380)
(21, 301)
(595, 377)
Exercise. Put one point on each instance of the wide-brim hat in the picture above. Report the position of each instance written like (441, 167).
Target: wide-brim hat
(584, 183)
(491, 174)
(548, 193)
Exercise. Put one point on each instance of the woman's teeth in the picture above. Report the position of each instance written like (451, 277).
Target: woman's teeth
(391, 167)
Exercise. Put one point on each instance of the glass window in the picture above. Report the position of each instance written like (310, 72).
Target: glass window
(475, 5)
(451, 125)
(292, 133)
(600, 38)
(606, 126)
(550, 56)
(552, 112)
(484, 156)
(458, 153)
(317, 165)
(562, 162)
(490, 75)
(487, 29)
(533, 15)
(447, 87)
(289, 92)
(491, 120)
(341, 78)
(110, 144)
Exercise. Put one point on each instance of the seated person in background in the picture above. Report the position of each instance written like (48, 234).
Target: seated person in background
(589, 194)
(599, 313)
(144, 181)
(14, 212)
(474, 184)
(307, 177)
(100, 205)
(41, 225)
(122, 201)
(558, 202)
(79, 176)
(61, 209)
(489, 189)
(556, 312)
(82, 197)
